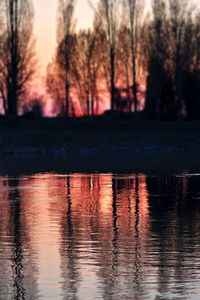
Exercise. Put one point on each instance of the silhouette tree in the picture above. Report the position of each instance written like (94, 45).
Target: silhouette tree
(191, 68)
(85, 70)
(172, 52)
(108, 15)
(156, 45)
(65, 43)
(55, 82)
(108, 57)
(123, 57)
(179, 15)
(16, 52)
(134, 8)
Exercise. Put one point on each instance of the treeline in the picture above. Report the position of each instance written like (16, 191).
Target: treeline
(172, 50)
(139, 57)
(100, 63)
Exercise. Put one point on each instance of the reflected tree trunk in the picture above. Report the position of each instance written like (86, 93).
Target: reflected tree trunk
(15, 228)
(137, 259)
(67, 249)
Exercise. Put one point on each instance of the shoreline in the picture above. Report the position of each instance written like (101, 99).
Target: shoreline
(105, 162)
(145, 149)
(60, 137)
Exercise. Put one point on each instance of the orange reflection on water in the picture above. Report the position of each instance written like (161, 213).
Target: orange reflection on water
(65, 216)
(67, 234)
(48, 196)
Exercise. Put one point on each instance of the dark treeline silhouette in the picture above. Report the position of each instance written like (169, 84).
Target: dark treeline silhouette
(103, 60)
(127, 50)
(172, 55)
(139, 57)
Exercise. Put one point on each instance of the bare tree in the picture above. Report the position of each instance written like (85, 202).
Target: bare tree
(124, 69)
(158, 37)
(65, 43)
(190, 67)
(172, 51)
(156, 49)
(16, 57)
(55, 83)
(179, 13)
(134, 17)
(85, 70)
(108, 14)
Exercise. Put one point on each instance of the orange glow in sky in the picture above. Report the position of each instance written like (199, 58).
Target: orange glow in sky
(45, 27)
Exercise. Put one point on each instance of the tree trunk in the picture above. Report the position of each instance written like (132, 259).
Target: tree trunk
(178, 90)
(134, 81)
(67, 98)
(158, 108)
(12, 101)
(112, 78)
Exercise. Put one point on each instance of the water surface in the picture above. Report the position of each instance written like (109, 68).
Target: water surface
(100, 235)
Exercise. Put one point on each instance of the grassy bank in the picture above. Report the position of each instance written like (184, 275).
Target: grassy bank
(96, 134)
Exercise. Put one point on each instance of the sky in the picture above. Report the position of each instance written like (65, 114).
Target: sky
(45, 27)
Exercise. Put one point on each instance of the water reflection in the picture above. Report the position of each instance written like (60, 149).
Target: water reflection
(18, 274)
(100, 236)
(68, 255)
(15, 231)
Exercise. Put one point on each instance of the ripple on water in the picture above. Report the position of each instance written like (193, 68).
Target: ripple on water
(100, 236)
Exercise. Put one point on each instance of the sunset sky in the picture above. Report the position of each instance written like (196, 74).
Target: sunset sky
(45, 27)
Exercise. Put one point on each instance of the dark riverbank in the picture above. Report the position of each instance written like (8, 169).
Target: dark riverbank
(99, 134)
(149, 163)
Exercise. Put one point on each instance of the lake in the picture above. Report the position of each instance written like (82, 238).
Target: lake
(99, 235)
